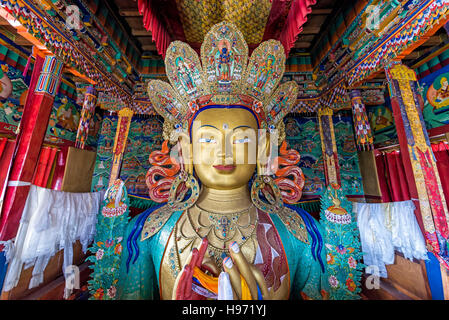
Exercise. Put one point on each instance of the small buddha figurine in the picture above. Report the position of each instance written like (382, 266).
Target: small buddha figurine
(225, 231)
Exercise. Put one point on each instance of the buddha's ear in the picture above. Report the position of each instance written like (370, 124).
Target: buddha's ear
(186, 152)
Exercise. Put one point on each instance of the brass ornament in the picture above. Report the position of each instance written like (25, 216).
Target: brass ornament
(224, 76)
(273, 203)
(176, 201)
(220, 230)
(155, 221)
(294, 223)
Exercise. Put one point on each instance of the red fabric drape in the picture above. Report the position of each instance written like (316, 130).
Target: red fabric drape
(45, 164)
(392, 179)
(380, 165)
(295, 20)
(59, 168)
(6, 153)
(441, 152)
(151, 23)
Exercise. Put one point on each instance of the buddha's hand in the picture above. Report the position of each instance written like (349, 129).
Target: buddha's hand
(184, 282)
(245, 276)
(245, 280)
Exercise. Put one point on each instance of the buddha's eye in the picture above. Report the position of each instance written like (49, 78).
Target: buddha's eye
(242, 140)
(207, 140)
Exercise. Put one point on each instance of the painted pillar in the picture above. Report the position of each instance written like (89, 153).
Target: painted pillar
(328, 146)
(418, 159)
(121, 137)
(362, 128)
(90, 101)
(29, 142)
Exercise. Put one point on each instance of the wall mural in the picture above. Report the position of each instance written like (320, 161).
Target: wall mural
(145, 136)
(64, 118)
(105, 146)
(13, 92)
(436, 98)
(303, 135)
(351, 179)
(382, 124)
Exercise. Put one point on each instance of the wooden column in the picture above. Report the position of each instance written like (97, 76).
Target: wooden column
(121, 136)
(328, 146)
(418, 159)
(29, 142)
(90, 101)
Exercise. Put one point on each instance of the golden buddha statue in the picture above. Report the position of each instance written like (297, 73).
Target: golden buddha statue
(218, 237)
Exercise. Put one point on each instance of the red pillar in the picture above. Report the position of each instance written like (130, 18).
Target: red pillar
(29, 142)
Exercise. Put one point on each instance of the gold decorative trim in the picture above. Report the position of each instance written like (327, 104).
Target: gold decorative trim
(294, 223)
(155, 221)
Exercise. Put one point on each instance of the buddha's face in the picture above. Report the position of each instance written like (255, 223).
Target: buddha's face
(224, 145)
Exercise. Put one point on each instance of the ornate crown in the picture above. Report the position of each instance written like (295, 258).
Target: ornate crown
(223, 78)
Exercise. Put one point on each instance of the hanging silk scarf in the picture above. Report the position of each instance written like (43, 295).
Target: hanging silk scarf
(51, 221)
(386, 227)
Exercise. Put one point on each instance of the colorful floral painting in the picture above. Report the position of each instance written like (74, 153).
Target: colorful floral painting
(342, 243)
(108, 244)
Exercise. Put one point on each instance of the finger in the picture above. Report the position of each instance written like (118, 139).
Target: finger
(180, 281)
(225, 287)
(260, 279)
(178, 293)
(244, 268)
(201, 252)
(188, 283)
(234, 276)
(194, 261)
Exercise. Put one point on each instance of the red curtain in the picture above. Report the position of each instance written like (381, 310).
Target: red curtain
(44, 166)
(59, 168)
(392, 179)
(6, 154)
(441, 152)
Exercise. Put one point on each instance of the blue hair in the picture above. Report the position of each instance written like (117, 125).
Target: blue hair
(131, 242)
(312, 229)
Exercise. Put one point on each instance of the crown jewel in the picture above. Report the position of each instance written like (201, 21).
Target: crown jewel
(223, 77)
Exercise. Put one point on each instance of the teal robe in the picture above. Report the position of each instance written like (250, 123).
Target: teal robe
(141, 260)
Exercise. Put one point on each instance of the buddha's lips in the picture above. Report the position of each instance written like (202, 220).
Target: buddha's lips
(225, 168)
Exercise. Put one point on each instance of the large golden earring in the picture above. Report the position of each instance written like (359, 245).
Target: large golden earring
(265, 193)
(181, 185)
(184, 182)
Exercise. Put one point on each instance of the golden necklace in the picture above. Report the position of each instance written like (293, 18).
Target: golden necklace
(220, 229)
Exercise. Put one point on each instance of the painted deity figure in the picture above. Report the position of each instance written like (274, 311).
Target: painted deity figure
(224, 61)
(181, 254)
(184, 75)
(265, 71)
(226, 231)
(443, 92)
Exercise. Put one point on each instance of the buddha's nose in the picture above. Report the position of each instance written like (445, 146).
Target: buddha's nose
(225, 152)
